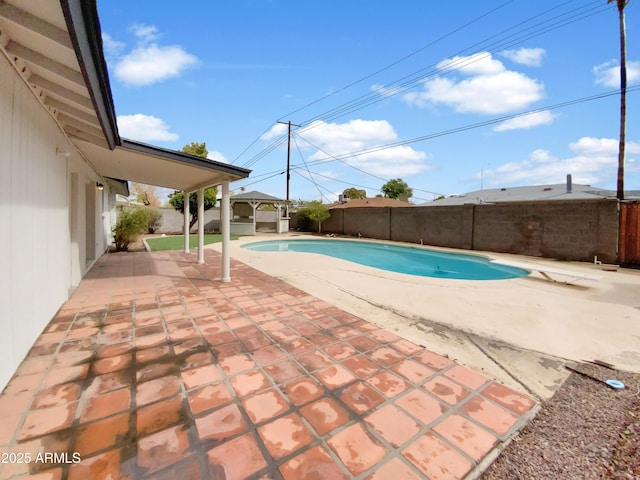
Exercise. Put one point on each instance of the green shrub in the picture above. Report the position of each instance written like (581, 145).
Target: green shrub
(154, 219)
(131, 223)
(318, 213)
(304, 222)
(313, 212)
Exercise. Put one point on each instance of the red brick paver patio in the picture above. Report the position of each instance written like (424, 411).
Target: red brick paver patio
(154, 369)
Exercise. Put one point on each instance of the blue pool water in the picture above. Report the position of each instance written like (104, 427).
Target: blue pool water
(411, 260)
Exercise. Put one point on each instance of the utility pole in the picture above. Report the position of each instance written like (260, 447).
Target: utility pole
(288, 158)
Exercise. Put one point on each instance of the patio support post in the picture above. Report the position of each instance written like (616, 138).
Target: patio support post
(278, 216)
(225, 225)
(254, 208)
(187, 214)
(201, 226)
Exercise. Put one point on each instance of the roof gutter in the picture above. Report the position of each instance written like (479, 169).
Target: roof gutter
(194, 160)
(84, 29)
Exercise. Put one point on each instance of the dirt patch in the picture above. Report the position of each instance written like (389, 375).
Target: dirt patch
(585, 431)
(137, 246)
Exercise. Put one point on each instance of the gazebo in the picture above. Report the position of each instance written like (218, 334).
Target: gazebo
(245, 210)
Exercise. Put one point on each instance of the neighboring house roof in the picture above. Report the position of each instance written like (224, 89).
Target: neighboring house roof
(371, 202)
(56, 47)
(526, 194)
(255, 196)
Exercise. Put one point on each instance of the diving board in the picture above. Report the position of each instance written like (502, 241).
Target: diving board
(547, 271)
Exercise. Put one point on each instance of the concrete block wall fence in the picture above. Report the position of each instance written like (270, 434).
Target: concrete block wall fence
(572, 230)
(576, 230)
(172, 221)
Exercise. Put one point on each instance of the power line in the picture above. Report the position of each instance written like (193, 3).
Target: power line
(266, 151)
(353, 166)
(341, 157)
(259, 156)
(473, 126)
(319, 187)
(252, 144)
(308, 171)
(406, 57)
(430, 72)
(351, 184)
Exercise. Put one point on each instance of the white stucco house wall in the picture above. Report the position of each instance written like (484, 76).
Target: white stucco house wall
(62, 162)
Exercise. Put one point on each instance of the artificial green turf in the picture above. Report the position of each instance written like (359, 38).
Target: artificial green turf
(176, 242)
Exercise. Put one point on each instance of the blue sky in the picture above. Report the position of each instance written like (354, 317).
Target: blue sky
(410, 89)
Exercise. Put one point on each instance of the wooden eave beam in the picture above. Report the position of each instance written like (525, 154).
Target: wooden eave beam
(40, 60)
(73, 112)
(62, 92)
(74, 132)
(79, 124)
(35, 24)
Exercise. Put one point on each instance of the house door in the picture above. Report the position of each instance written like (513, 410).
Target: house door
(629, 240)
(90, 222)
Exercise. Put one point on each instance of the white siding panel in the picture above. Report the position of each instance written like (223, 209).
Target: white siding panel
(35, 255)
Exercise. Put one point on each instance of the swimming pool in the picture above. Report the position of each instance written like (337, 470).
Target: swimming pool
(400, 259)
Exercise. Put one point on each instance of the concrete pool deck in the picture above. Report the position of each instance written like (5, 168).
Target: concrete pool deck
(518, 331)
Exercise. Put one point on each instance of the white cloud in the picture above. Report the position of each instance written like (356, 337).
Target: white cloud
(329, 174)
(531, 57)
(111, 46)
(477, 64)
(148, 62)
(145, 33)
(335, 139)
(529, 120)
(594, 161)
(276, 131)
(145, 128)
(385, 91)
(491, 88)
(608, 73)
(349, 137)
(151, 64)
(218, 157)
(602, 146)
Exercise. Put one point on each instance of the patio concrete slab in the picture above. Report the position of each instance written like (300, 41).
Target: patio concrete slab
(154, 369)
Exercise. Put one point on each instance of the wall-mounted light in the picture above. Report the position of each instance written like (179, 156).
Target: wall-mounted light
(99, 186)
(62, 153)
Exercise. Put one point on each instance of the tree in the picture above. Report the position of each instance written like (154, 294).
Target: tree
(397, 188)
(196, 149)
(145, 194)
(623, 95)
(354, 193)
(315, 211)
(176, 199)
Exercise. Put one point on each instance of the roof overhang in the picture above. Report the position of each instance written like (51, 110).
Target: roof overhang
(143, 163)
(56, 47)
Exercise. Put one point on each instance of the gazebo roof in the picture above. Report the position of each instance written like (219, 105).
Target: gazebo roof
(255, 196)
